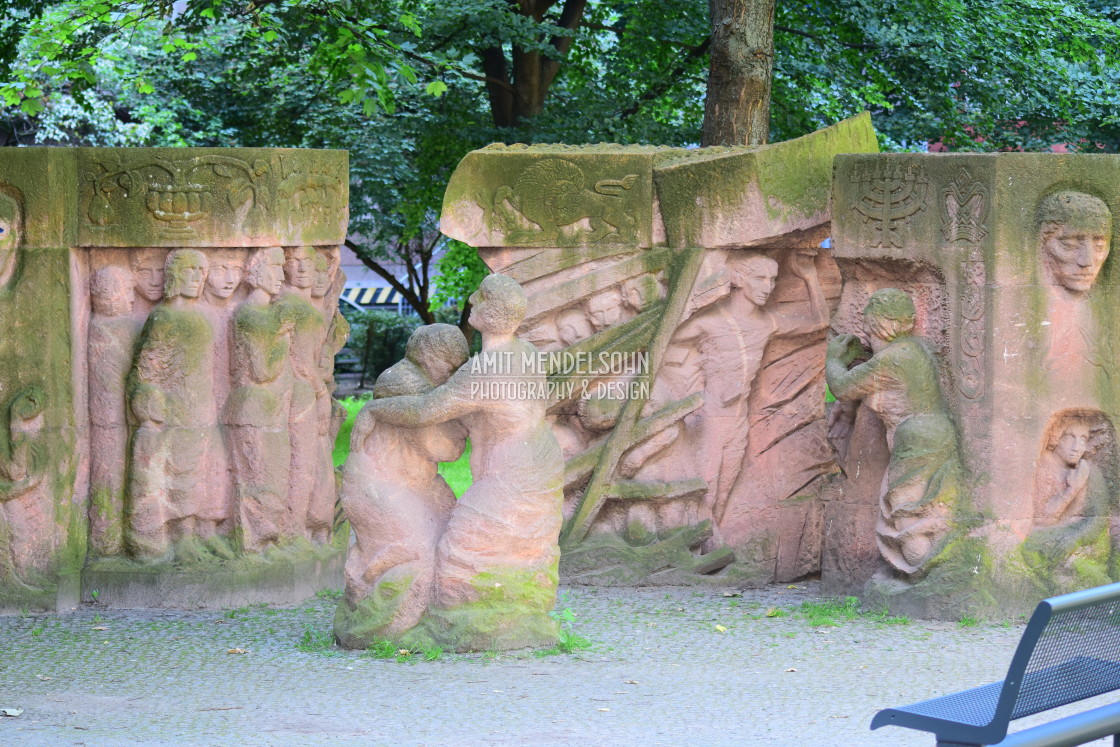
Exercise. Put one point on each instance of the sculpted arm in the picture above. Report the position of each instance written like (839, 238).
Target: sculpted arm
(802, 265)
(862, 380)
(446, 402)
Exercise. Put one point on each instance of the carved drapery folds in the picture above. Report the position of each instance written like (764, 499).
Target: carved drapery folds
(203, 438)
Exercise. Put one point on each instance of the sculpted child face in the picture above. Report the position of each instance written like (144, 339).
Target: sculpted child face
(1072, 444)
(1075, 230)
(224, 275)
(147, 267)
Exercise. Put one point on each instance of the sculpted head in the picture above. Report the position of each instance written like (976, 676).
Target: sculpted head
(265, 270)
(1074, 231)
(299, 266)
(226, 269)
(498, 306)
(605, 308)
(439, 349)
(324, 274)
(111, 290)
(889, 314)
(572, 326)
(11, 232)
(641, 291)
(755, 275)
(185, 274)
(147, 269)
(1072, 442)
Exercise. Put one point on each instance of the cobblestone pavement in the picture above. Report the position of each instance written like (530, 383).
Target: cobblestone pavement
(667, 667)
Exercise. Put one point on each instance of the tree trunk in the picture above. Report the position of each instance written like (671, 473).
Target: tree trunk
(737, 107)
(518, 90)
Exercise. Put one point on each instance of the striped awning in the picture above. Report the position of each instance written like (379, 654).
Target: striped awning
(372, 296)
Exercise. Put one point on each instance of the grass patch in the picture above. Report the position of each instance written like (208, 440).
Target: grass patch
(315, 641)
(386, 649)
(968, 621)
(832, 612)
(334, 594)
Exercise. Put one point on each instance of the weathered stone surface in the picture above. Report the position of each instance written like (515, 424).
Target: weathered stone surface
(42, 518)
(118, 303)
(211, 197)
(1007, 258)
(722, 293)
(481, 574)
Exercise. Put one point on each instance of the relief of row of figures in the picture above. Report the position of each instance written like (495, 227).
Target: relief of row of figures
(210, 399)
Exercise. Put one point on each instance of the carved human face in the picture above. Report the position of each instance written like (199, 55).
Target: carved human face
(757, 279)
(194, 277)
(1072, 445)
(322, 281)
(299, 267)
(1075, 255)
(147, 268)
(224, 276)
(274, 273)
(604, 309)
(112, 293)
(572, 327)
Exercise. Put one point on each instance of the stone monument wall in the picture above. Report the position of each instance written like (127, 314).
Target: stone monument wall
(186, 420)
(681, 298)
(1006, 257)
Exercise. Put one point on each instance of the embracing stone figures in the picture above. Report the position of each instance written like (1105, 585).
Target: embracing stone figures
(475, 574)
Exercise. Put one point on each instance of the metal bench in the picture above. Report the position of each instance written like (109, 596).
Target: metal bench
(1069, 651)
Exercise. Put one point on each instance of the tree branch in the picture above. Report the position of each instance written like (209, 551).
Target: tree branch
(408, 294)
(668, 81)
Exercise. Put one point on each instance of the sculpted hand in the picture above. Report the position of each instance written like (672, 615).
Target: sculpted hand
(802, 264)
(845, 348)
(1079, 475)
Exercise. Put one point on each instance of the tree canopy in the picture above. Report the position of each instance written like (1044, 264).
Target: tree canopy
(408, 89)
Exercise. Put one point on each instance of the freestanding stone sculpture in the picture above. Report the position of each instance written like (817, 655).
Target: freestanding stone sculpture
(496, 563)
(395, 500)
(127, 475)
(640, 253)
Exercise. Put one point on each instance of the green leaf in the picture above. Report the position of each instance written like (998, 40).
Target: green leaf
(436, 88)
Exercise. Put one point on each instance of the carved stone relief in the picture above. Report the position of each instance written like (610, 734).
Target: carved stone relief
(554, 195)
(899, 382)
(11, 232)
(890, 195)
(27, 534)
(1074, 493)
(964, 209)
(210, 197)
(195, 396)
